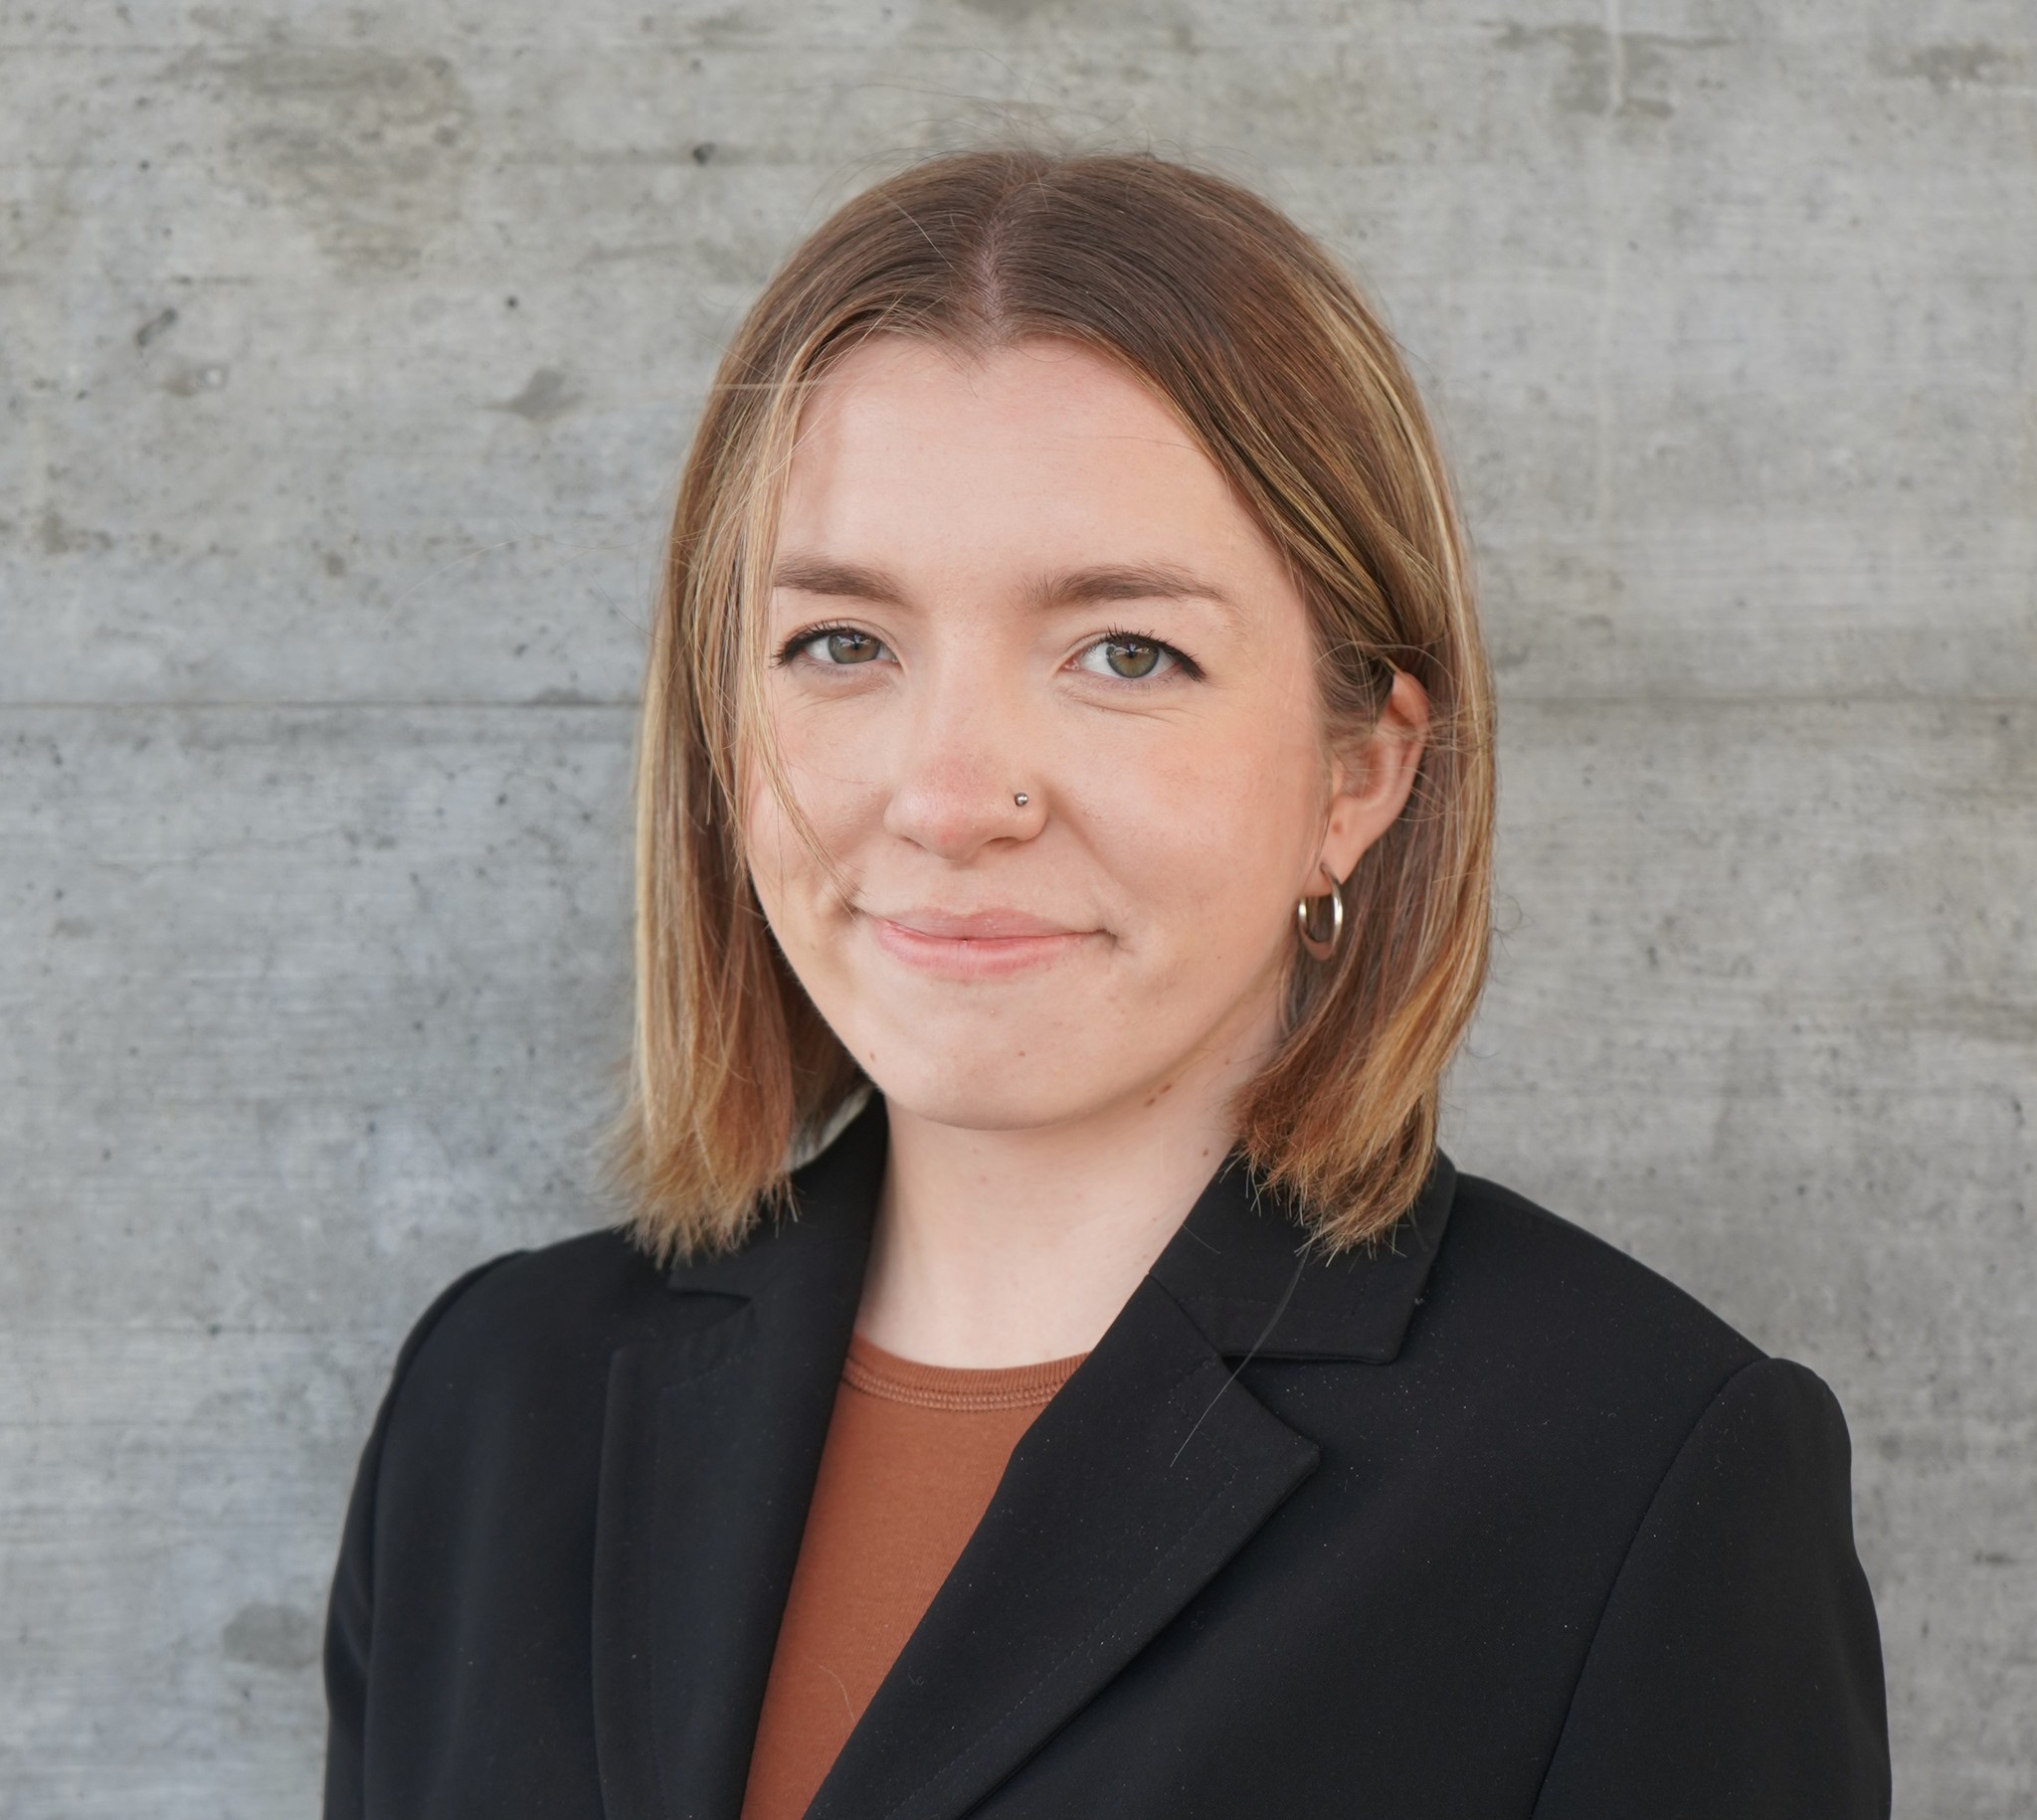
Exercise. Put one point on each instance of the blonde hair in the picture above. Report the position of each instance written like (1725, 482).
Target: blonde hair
(1295, 390)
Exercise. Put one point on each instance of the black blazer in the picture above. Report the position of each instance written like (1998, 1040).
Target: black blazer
(1490, 1523)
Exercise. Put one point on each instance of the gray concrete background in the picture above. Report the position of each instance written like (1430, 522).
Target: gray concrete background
(348, 354)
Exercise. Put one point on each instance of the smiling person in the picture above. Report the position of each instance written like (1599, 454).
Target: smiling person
(1050, 1368)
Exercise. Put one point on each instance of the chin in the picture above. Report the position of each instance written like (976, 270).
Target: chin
(987, 1092)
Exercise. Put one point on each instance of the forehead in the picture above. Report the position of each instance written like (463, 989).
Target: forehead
(1041, 380)
(1042, 443)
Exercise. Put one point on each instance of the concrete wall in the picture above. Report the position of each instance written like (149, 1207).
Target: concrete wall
(347, 357)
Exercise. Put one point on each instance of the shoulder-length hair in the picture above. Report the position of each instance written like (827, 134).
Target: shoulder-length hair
(1269, 355)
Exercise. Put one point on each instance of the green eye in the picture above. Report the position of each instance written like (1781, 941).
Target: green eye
(1133, 659)
(849, 646)
(1130, 658)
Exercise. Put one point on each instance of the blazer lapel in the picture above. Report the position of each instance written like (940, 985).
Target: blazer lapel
(711, 1444)
(1148, 1472)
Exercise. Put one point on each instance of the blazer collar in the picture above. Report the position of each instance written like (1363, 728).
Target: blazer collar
(1241, 1264)
(1148, 1471)
(1244, 1269)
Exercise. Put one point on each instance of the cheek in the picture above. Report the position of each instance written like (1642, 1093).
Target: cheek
(826, 764)
(769, 841)
(794, 889)
(1208, 839)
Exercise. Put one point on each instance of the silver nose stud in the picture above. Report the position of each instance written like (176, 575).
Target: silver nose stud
(1022, 799)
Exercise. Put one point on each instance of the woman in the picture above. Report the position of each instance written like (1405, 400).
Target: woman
(1066, 796)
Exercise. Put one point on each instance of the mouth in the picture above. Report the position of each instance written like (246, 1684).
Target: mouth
(976, 944)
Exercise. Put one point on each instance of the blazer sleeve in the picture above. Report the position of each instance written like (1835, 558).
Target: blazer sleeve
(349, 1617)
(1737, 1668)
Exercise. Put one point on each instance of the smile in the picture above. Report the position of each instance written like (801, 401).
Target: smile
(983, 945)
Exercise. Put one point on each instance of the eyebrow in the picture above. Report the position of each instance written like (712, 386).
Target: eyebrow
(1069, 588)
(843, 580)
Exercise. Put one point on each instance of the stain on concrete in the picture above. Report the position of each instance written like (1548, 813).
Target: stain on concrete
(193, 378)
(729, 25)
(1006, 12)
(1614, 75)
(272, 1636)
(159, 324)
(1943, 65)
(1994, 1017)
(546, 394)
(60, 537)
(370, 149)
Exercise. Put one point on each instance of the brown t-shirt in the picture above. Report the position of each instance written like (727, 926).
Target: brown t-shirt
(913, 1453)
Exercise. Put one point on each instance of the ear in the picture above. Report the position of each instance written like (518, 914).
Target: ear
(1372, 777)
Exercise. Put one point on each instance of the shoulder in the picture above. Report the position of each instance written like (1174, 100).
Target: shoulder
(1576, 1356)
(566, 1292)
(1513, 1280)
(593, 1279)
(527, 1331)
(1645, 1440)
(1539, 1355)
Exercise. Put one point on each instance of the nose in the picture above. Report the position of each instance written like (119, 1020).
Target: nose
(959, 782)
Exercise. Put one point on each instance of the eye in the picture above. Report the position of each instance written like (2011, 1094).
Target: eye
(833, 645)
(1130, 657)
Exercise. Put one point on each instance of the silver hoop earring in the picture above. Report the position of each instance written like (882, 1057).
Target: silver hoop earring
(1321, 947)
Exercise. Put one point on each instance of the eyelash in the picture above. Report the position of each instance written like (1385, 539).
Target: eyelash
(812, 634)
(799, 641)
(1118, 635)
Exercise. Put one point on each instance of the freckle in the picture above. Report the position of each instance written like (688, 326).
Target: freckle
(1169, 1088)
(1154, 1101)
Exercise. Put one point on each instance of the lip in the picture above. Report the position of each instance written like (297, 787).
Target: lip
(976, 944)
(975, 925)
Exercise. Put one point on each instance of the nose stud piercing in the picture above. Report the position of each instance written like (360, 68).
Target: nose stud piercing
(1022, 799)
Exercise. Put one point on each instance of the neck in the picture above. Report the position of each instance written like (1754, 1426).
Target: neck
(1017, 1246)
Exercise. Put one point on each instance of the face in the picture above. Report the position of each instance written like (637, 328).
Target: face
(1042, 691)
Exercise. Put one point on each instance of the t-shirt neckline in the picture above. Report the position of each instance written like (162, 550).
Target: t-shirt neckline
(869, 1367)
